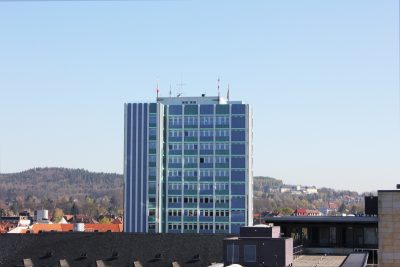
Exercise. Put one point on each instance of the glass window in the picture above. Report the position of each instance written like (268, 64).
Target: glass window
(206, 109)
(152, 119)
(232, 253)
(238, 149)
(238, 122)
(238, 135)
(238, 188)
(238, 162)
(191, 110)
(175, 110)
(238, 109)
(222, 109)
(238, 175)
(153, 108)
(238, 203)
(249, 253)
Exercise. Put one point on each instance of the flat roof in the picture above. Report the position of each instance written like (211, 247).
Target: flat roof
(318, 260)
(322, 219)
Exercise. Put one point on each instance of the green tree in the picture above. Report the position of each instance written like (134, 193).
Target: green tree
(57, 215)
(105, 220)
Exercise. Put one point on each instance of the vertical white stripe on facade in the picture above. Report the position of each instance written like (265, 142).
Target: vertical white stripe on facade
(125, 161)
(136, 167)
(130, 171)
(141, 175)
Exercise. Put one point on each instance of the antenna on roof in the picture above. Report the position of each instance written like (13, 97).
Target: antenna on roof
(218, 87)
(170, 91)
(158, 90)
(227, 94)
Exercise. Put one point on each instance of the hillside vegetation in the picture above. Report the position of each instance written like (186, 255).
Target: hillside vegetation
(80, 191)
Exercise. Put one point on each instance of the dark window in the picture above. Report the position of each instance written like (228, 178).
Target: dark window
(238, 122)
(249, 253)
(175, 110)
(238, 135)
(206, 109)
(238, 149)
(222, 109)
(238, 109)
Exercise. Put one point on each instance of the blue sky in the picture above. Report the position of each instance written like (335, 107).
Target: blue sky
(322, 77)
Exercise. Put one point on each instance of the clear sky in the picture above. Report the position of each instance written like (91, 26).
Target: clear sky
(322, 77)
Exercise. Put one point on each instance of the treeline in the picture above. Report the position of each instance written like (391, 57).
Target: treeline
(78, 191)
(72, 190)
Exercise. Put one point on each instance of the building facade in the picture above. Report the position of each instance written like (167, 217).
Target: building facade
(188, 166)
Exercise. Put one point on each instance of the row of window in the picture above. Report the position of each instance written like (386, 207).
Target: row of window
(201, 186)
(193, 120)
(218, 199)
(236, 175)
(195, 159)
(206, 108)
(194, 213)
(202, 226)
(194, 146)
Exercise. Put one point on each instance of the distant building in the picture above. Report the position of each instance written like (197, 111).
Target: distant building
(188, 166)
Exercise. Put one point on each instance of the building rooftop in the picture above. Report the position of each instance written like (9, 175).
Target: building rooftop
(319, 260)
(203, 99)
(321, 219)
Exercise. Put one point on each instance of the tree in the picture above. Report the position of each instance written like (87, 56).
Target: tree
(342, 208)
(105, 220)
(57, 215)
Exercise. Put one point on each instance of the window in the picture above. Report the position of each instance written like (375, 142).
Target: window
(152, 145)
(175, 121)
(190, 146)
(249, 253)
(221, 186)
(221, 133)
(207, 121)
(152, 131)
(232, 253)
(208, 199)
(174, 173)
(190, 186)
(206, 133)
(174, 199)
(238, 122)
(175, 109)
(177, 212)
(191, 120)
(222, 146)
(222, 120)
(175, 160)
(222, 199)
(206, 146)
(221, 159)
(190, 213)
(206, 109)
(191, 133)
(190, 160)
(174, 133)
(206, 186)
(152, 158)
(190, 173)
(174, 186)
(152, 119)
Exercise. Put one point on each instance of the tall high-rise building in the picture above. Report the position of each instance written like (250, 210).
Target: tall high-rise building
(188, 165)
